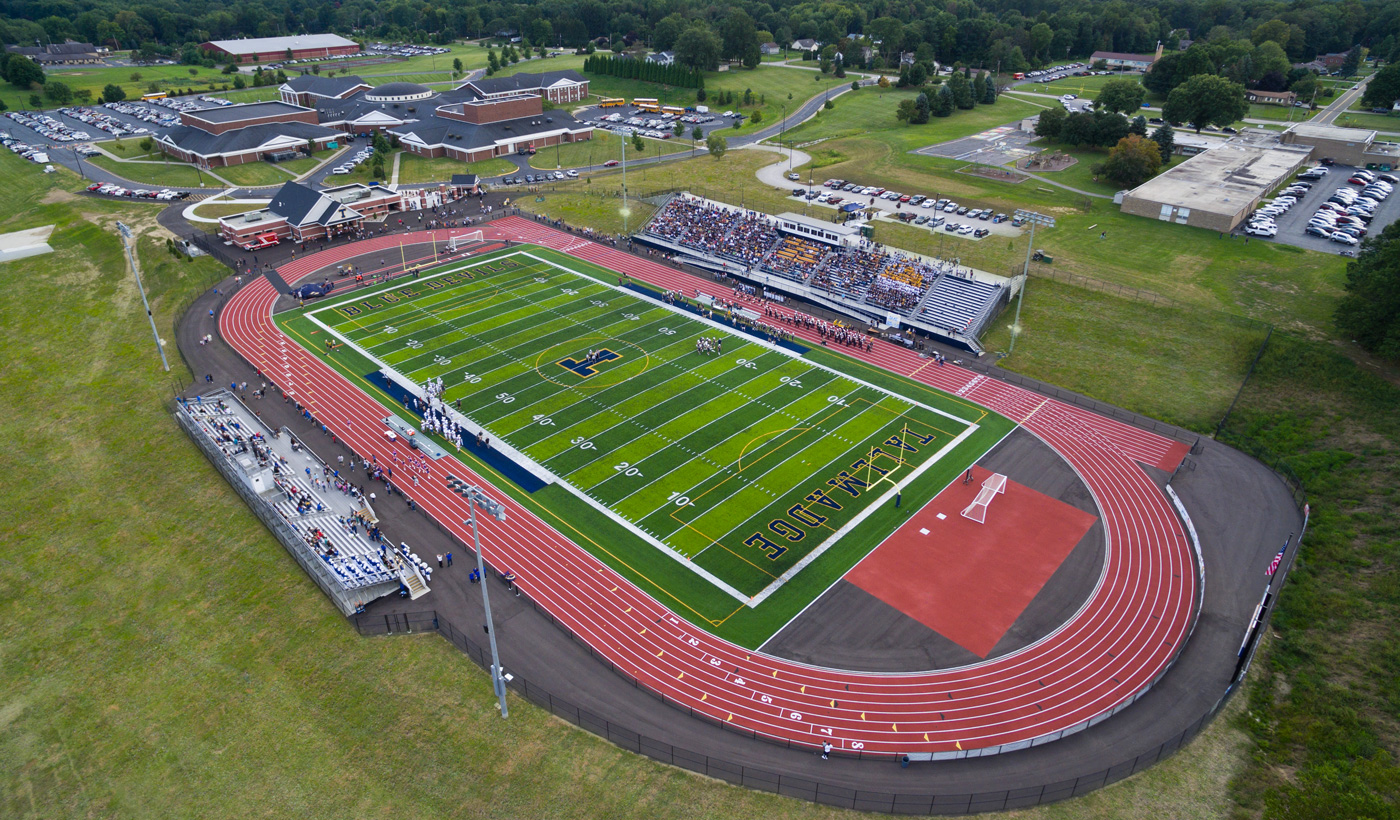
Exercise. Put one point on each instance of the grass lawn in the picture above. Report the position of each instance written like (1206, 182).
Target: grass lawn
(247, 95)
(1280, 113)
(872, 111)
(94, 78)
(1087, 87)
(1376, 122)
(1102, 345)
(601, 148)
(413, 168)
(130, 148)
(254, 174)
(771, 84)
(177, 174)
(217, 208)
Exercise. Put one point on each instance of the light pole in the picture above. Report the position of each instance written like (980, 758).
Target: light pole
(131, 257)
(496, 510)
(625, 210)
(1035, 219)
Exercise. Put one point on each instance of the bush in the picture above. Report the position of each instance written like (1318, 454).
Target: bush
(756, 117)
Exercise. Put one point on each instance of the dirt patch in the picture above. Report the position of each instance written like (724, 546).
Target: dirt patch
(58, 195)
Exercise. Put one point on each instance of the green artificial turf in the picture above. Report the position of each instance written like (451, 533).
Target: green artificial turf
(729, 469)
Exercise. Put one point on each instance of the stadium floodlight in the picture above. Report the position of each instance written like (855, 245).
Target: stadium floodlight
(127, 237)
(477, 500)
(1035, 219)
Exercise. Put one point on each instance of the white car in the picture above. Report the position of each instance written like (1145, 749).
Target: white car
(965, 230)
(1344, 238)
(571, 174)
(341, 170)
(1262, 230)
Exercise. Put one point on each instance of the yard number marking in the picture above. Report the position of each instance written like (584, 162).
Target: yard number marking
(505, 398)
(627, 470)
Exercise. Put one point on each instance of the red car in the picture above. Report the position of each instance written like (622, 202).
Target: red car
(610, 163)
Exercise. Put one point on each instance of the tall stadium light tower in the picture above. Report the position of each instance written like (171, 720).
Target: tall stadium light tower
(478, 501)
(127, 240)
(1035, 219)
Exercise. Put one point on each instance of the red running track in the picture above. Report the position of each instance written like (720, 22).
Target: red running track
(1121, 640)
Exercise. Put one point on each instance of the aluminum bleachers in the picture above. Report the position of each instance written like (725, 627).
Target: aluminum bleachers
(958, 304)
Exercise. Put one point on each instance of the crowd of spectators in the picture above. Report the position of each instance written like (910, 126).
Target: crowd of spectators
(796, 258)
(865, 272)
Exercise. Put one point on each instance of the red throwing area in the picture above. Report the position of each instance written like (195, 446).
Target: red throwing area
(969, 582)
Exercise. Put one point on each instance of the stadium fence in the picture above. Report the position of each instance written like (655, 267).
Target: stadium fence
(802, 788)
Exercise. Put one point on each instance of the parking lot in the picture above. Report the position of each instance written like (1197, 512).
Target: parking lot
(1291, 224)
(624, 119)
(75, 125)
(996, 146)
(939, 215)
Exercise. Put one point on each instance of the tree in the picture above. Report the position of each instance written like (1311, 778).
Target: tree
(1269, 58)
(961, 90)
(979, 88)
(942, 103)
(716, 144)
(1050, 123)
(737, 33)
(239, 82)
(1352, 62)
(1120, 96)
(855, 86)
(457, 64)
(136, 76)
(989, 93)
(21, 72)
(905, 111)
(697, 133)
(1275, 30)
(637, 144)
(1138, 126)
(1384, 88)
(922, 109)
(1369, 312)
(1040, 37)
(698, 48)
(1166, 141)
(1206, 99)
(1133, 161)
(752, 55)
(58, 92)
(883, 82)
(1306, 86)
(678, 130)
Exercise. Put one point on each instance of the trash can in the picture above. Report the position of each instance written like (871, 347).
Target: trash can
(904, 761)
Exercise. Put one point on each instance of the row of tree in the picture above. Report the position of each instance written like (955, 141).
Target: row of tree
(958, 93)
(1016, 37)
(633, 69)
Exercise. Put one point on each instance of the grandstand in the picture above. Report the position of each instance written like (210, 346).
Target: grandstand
(330, 526)
(832, 268)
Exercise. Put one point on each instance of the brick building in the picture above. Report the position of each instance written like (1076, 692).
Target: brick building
(298, 213)
(556, 86)
(237, 134)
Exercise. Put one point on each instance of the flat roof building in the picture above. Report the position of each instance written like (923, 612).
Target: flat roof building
(237, 134)
(1216, 189)
(808, 227)
(268, 49)
(1349, 146)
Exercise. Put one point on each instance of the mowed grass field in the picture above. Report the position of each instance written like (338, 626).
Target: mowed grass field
(734, 466)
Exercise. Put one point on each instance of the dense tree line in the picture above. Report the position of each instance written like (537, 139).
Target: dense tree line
(676, 75)
(1013, 33)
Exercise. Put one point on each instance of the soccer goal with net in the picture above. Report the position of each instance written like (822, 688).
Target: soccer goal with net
(977, 510)
(460, 241)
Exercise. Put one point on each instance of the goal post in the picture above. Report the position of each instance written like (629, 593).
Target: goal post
(461, 240)
(991, 488)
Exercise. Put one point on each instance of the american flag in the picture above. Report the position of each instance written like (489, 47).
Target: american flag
(1278, 559)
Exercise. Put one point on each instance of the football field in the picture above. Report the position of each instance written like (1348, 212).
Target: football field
(739, 459)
